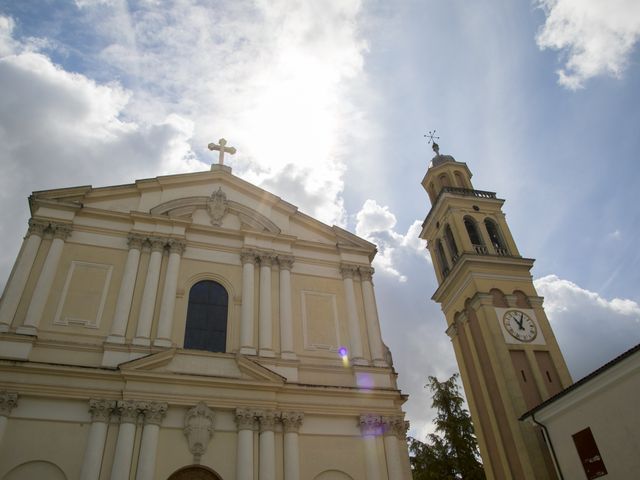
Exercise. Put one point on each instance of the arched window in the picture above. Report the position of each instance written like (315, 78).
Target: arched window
(444, 180)
(495, 237)
(474, 236)
(444, 266)
(451, 243)
(459, 180)
(207, 317)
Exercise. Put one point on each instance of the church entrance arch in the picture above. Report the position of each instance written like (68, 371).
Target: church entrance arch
(194, 472)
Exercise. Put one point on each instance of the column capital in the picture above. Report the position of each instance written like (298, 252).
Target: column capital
(101, 410)
(371, 424)
(135, 241)
(395, 425)
(157, 244)
(266, 259)
(348, 270)
(8, 401)
(154, 412)
(245, 419)
(176, 246)
(291, 421)
(267, 419)
(61, 231)
(286, 262)
(366, 273)
(128, 410)
(248, 256)
(37, 227)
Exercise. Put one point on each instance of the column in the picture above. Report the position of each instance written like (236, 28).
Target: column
(246, 422)
(392, 426)
(8, 401)
(45, 281)
(265, 324)
(125, 295)
(403, 449)
(371, 317)
(355, 335)
(286, 319)
(100, 413)
(167, 307)
(291, 422)
(128, 411)
(371, 427)
(145, 318)
(154, 413)
(15, 286)
(247, 345)
(267, 466)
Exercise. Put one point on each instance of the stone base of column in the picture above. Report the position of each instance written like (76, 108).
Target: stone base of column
(247, 350)
(264, 352)
(162, 342)
(288, 356)
(115, 339)
(16, 349)
(4, 327)
(379, 363)
(145, 342)
(27, 330)
(360, 362)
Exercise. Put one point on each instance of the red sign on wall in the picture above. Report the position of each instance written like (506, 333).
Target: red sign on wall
(589, 454)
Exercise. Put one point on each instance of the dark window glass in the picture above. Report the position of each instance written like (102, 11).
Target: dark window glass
(441, 258)
(451, 243)
(494, 235)
(472, 230)
(207, 317)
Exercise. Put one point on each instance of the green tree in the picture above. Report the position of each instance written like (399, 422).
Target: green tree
(452, 452)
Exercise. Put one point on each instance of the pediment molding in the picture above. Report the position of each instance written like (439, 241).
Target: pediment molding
(184, 207)
(203, 364)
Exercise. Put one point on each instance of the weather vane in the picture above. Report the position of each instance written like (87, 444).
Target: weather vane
(431, 136)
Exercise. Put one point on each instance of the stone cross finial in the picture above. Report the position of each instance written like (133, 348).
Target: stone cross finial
(222, 148)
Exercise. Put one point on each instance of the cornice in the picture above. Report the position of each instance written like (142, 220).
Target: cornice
(467, 260)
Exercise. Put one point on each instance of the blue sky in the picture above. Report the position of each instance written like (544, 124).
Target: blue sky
(327, 104)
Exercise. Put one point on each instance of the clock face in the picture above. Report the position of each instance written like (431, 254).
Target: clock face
(520, 325)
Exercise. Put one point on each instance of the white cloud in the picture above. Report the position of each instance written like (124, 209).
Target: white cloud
(274, 78)
(596, 36)
(590, 329)
(376, 223)
(66, 120)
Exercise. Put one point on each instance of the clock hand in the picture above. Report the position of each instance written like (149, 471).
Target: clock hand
(520, 322)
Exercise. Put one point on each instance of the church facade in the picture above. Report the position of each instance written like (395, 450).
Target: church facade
(193, 326)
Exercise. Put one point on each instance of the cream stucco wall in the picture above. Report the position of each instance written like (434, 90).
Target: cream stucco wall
(70, 351)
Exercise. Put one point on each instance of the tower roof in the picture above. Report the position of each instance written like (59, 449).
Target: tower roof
(440, 159)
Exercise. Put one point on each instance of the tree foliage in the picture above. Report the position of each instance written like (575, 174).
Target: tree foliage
(452, 452)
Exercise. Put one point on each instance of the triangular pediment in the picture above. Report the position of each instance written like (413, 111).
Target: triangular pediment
(202, 363)
(207, 199)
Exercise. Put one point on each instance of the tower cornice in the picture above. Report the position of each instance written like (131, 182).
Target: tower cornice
(470, 266)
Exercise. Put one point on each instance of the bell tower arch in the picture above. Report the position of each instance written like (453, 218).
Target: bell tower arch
(507, 353)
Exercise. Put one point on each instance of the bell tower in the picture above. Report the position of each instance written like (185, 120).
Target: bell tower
(507, 353)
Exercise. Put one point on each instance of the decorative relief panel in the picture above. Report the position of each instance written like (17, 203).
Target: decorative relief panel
(84, 294)
(320, 321)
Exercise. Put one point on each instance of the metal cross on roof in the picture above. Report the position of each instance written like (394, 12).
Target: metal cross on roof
(222, 148)
(431, 136)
